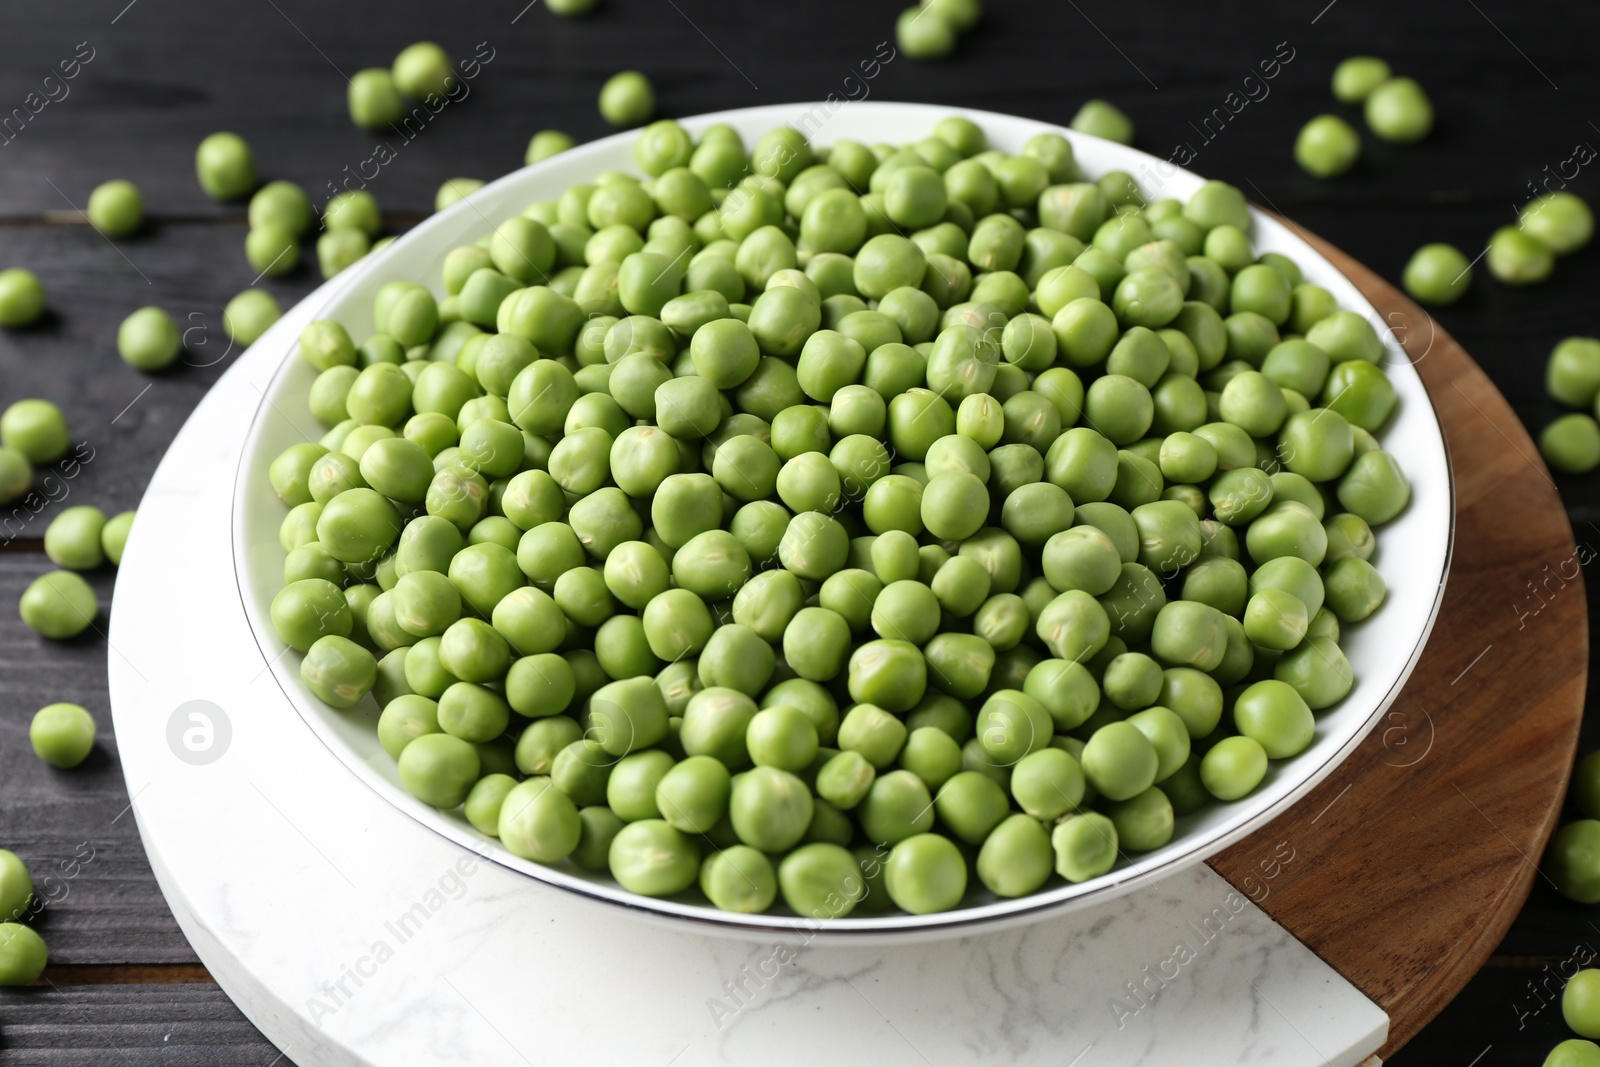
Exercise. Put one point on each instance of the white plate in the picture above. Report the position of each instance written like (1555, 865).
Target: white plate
(1413, 554)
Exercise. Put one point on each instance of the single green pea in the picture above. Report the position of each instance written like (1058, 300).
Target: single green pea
(1374, 487)
(1571, 444)
(1065, 689)
(925, 33)
(62, 735)
(1144, 822)
(627, 99)
(339, 671)
(374, 99)
(440, 770)
(1119, 761)
(1273, 713)
(1048, 783)
(249, 315)
(114, 536)
(225, 166)
(422, 70)
(1561, 221)
(537, 821)
(1085, 846)
(1327, 147)
(1574, 1052)
(769, 808)
(60, 604)
(739, 879)
(36, 429)
(1355, 589)
(16, 887)
(1516, 257)
(1437, 274)
(72, 540)
(22, 955)
(1017, 858)
(116, 209)
(1101, 119)
(925, 873)
(338, 249)
(1355, 78)
(1572, 861)
(1580, 1002)
(1399, 110)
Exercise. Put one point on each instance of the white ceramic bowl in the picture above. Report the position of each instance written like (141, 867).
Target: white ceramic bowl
(1413, 554)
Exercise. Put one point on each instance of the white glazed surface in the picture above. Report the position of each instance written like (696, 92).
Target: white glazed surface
(1413, 551)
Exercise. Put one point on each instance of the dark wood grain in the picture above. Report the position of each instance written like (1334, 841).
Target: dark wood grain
(166, 72)
(74, 828)
(192, 1025)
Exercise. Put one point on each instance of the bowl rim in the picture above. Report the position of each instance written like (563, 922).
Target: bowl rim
(1001, 913)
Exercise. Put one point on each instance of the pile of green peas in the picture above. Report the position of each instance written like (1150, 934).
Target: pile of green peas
(850, 526)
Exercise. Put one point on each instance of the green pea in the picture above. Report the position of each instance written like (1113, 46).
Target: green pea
(739, 879)
(1570, 861)
(1561, 221)
(769, 808)
(62, 735)
(440, 770)
(1374, 488)
(1048, 783)
(1233, 768)
(1398, 110)
(1074, 625)
(1355, 589)
(1571, 444)
(1119, 761)
(1143, 822)
(22, 955)
(1085, 845)
(925, 873)
(1273, 713)
(59, 605)
(539, 822)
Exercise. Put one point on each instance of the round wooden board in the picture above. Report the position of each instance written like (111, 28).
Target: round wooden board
(1405, 868)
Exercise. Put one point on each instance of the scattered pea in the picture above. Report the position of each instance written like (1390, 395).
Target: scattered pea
(1437, 274)
(116, 209)
(627, 99)
(1327, 147)
(21, 298)
(149, 339)
(62, 734)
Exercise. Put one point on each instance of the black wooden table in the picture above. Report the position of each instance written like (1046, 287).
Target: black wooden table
(1515, 84)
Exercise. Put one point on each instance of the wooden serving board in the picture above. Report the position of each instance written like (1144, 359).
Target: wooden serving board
(1406, 866)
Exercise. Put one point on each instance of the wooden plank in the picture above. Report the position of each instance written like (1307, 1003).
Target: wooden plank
(131, 1025)
(273, 72)
(1414, 857)
(123, 418)
(73, 827)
